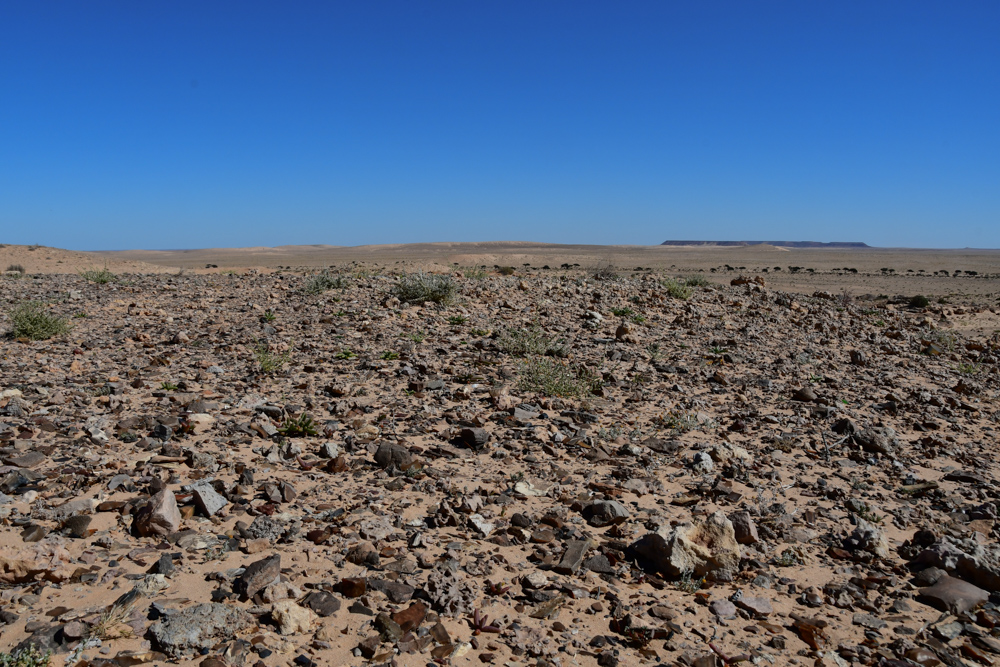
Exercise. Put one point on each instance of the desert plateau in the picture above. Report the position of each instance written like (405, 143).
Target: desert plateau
(501, 453)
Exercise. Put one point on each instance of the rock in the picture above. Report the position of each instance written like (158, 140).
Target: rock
(391, 455)
(755, 605)
(323, 603)
(181, 633)
(867, 537)
(389, 630)
(208, 500)
(77, 525)
(804, 395)
(409, 619)
(353, 587)
(159, 517)
(474, 438)
(744, 528)
(479, 523)
(605, 513)
(722, 608)
(966, 559)
(877, 440)
(258, 576)
(868, 621)
(573, 557)
(700, 549)
(702, 463)
(953, 595)
(291, 618)
(396, 591)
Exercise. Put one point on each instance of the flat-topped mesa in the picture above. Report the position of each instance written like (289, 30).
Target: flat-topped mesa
(783, 244)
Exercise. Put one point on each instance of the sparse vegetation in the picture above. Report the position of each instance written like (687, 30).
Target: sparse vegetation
(456, 320)
(696, 281)
(475, 273)
(298, 427)
(325, 281)
(15, 268)
(676, 289)
(32, 320)
(267, 361)
(389, 355)
(99, 276)
(506, 270)
(553, 378)
(26, 657)
(422, 287)
(919, 301)
(604, 272)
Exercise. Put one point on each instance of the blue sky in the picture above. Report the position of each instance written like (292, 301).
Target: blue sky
(199, 124)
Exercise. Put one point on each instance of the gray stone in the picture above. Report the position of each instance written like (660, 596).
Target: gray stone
(702, 463)
(323, 603)
(195, 628)
(879, 440)
(868, 537)
(605, 513)
(756, 605)
(722, 608)
(391, 455)
(573, 557)
(868, 621)
(208, 500)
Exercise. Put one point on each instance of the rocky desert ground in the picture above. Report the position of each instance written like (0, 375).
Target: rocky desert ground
(442, 456)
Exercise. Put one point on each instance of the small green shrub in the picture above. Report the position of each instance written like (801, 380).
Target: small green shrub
(389, 355)
(522, 342)
(345, 354)
(26, 657)
(676, 289)
(456, 320)
(697, 281)
(31, 319)
(622, 312)
(475, 273)
(16, 268)
(422, 287)
(298, 427)
(919, 301)
(325, 281)
(269, 316)
(99, 276)
(552, 378)
(267, 361)
(506, 270)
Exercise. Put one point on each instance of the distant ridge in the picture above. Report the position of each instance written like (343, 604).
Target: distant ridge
(782, 244)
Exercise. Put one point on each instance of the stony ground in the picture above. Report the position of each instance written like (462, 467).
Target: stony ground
(551, 469)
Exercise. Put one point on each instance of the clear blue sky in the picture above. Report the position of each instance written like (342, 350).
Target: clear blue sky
(196, 124)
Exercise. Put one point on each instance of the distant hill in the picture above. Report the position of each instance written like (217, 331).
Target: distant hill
(782, 244)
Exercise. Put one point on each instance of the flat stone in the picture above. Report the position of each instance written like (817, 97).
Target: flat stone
(756, 605)
(953, 595)
(869, 621)
(722, 608)
(195, 628)
(573, 557)
(409, 619)
(208, 500)
(392, 455)
(323, 603)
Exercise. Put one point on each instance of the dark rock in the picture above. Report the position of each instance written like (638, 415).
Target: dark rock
(258, 576)
(392, 455)
(573, 557)
(321, 602)
(605, 513)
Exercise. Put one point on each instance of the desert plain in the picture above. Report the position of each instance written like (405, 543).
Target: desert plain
(500, 453)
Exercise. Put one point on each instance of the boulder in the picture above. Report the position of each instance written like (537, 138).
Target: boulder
(159, 517)
(701, 549)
